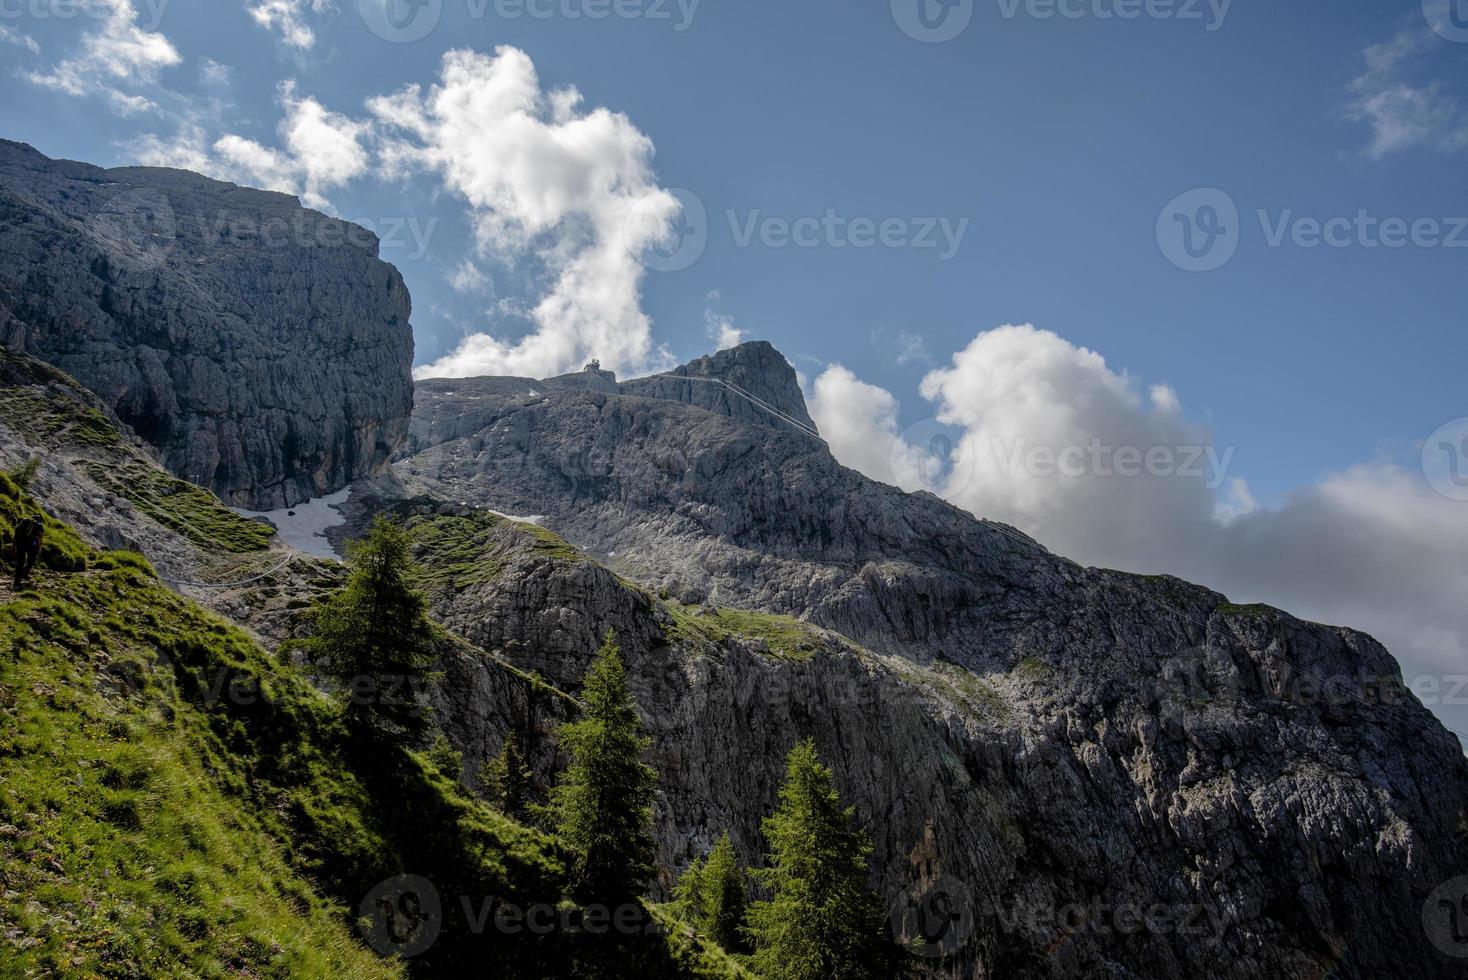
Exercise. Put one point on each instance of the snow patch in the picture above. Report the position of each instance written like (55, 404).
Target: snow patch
(304, 526)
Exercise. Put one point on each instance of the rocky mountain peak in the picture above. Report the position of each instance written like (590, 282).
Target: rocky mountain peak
(752, 382)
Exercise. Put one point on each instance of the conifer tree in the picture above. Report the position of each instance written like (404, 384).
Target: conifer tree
(602, 806)
(712, 897)
(509, 779)
(375, 637)
(821, 919)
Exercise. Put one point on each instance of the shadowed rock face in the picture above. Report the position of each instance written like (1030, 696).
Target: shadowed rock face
(1053, 751)
(262, 348)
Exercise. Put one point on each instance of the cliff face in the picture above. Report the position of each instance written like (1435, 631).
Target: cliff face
(262, 348)
(1083, 773)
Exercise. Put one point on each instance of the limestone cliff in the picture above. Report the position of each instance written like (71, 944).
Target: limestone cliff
(263, 348)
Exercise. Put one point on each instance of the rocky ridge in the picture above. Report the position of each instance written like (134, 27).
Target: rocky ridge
(1028, 739)
(264, 349)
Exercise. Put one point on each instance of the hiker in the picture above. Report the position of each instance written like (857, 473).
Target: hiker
(27, 547)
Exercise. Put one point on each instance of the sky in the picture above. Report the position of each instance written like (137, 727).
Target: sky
(1010, 245)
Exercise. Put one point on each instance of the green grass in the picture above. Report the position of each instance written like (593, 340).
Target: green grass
(130, 841)
(551, 544)
(56, 421)
(455, 552)
(786, 637)
(180, 506)
(175, 801)
(974, 689)
(1252, 610)
(960, 687)
(1032, 669)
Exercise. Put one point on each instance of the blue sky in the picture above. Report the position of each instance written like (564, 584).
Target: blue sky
(1054, 143)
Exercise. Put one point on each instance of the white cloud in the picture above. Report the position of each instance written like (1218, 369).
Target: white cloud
(905, 346)
(117, 58)
(10, 35)
(321, 150)
(720, 326)
(214, 74)
(1043, 423)
(1403, 111)
(859, 422)
(560, 194)
(1372, 547)
(288, 17)
(468, 278)
(548, 179)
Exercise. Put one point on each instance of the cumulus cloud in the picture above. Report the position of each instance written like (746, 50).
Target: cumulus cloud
(118, 59)
(544, 178)
(1049, 438)
(1372, 547)
(563, 197)
(320, 150)
(288, 17)
(1046, 425)
(1403, 111)
(859, 422)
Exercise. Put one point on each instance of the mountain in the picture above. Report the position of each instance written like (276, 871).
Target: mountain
(1030, 738)
(261, 347)
(177, 800)
(1065, 771)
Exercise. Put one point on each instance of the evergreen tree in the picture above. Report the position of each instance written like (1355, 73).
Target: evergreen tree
(821, 919)
(603, 805)
(509, 779)
(711, 895)
(375, 637)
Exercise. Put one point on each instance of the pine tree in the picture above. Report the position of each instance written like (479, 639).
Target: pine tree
(711, 895)
(375, 637)
(509, 779)
(821, 920)
(603, 805)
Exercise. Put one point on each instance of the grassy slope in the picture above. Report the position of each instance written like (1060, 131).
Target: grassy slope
(51, 410)
(152, 827)
(458, 551)
(125, 849)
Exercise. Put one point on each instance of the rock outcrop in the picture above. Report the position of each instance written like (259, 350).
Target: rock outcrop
(1080, 772)
(263, 348)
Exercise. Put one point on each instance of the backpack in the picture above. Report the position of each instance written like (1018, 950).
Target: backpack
(27, 531)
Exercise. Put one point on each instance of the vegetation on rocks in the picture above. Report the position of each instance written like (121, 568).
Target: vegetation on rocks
(784, 636)
(175, 801)
(180, 506)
